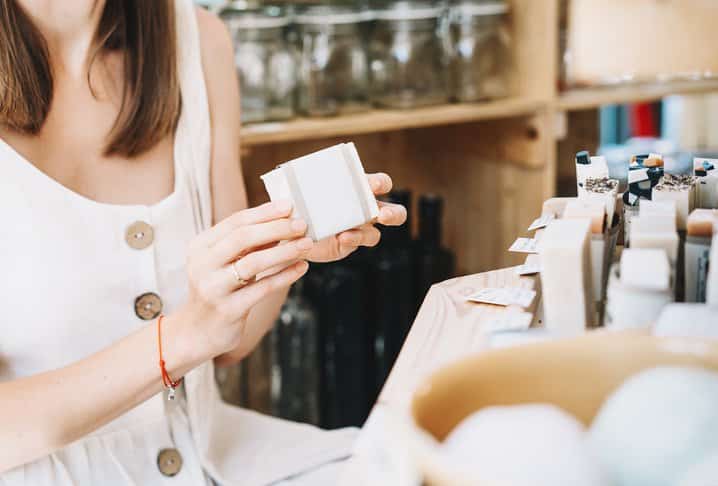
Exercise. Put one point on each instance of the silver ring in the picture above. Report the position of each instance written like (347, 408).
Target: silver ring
(241, 282)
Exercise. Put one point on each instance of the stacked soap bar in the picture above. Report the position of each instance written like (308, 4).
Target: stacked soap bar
(656, 227)
(638, 289)
(699, 232)
(589, 167)
(566, 275)
(682, 190)
(603, 190)
(328, 189)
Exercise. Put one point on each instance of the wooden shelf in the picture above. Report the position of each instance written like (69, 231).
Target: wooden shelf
(385, 120)
(580, 99)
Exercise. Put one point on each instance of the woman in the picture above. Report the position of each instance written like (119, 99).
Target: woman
(122, 200)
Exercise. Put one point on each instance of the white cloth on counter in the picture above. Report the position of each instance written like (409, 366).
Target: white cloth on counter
(68, 289)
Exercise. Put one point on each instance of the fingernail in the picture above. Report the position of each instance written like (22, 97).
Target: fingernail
(305, 244)
(388, 212)
(283, 206)
(298, 225)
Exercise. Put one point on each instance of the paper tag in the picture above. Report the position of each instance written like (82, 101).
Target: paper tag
(510, 320)
(637, 175)
(541, 222)
(528, 269)
(524, 245)
(503, 296)
(632, 198)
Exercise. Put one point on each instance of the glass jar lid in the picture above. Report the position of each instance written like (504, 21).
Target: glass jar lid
(479, 9)
(331, 15)
(408, 10)
(254, 18)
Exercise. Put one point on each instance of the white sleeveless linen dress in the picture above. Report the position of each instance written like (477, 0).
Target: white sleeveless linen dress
(77, 275)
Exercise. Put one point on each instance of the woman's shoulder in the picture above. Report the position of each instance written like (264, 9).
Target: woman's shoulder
(214, 37)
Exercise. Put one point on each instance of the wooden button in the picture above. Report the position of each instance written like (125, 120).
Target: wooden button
(169, 462)
(148, 306)
(139, 235)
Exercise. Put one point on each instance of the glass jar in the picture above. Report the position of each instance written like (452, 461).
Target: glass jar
(481, 50)
(409, 55)
(266, 63)
(333, 70)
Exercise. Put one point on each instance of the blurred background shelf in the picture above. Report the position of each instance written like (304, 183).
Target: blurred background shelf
(587, 98)
(385, 120)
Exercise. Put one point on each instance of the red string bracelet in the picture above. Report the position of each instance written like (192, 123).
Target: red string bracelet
(166, 380)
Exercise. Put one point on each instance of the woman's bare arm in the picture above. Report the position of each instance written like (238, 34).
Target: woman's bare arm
(228, 189)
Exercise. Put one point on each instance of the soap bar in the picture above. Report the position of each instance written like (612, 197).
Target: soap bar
(604, 190)
(654, 232)
(664, 210)
(678, 188)
(555, 206)
(645, 268)
(328, 189)
(630, 307)
(566, 276)
(687, 320)
(595, 211)
(701, 222)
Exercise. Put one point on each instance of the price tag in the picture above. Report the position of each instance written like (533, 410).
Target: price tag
(528, 269)
(541, 222)
(638, 175)
(524, 245)
(503, 296)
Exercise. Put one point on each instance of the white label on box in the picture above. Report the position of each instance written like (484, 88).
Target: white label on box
(528, 269)
(637, 175)
(541, 222)
(524, 245)
(503, 296)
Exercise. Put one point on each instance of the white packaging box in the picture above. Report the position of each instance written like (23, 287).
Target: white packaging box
(566, 276)
(328, 189)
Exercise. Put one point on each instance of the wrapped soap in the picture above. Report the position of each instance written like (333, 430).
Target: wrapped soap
(712, 285)
(699, 232)
(707, 182)
(587, 166)
(328, 189)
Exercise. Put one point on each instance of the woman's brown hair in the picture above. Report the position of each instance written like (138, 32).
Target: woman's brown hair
(144, 30)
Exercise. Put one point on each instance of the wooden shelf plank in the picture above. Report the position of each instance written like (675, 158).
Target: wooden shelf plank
(384, 120)
(579, 99)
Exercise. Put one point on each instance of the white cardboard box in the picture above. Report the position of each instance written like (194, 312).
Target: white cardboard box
(328, 189)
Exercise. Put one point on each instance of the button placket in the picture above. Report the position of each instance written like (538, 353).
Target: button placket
(140, 235)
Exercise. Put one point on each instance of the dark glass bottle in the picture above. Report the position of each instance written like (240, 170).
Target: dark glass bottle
(295, 360)
(433, 262)
(392, 280)
(346, 341)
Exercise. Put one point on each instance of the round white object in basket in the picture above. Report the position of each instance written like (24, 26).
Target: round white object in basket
(523, 445)
(657, 425)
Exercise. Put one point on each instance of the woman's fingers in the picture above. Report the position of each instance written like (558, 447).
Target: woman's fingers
(366, 235)
(380, 183)
(391, 214)
(246, 238)
(260, 214)
(244, 299)
(257, 262)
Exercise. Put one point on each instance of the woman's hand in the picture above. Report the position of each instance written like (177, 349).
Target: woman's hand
(218, 303)
(343, 244)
